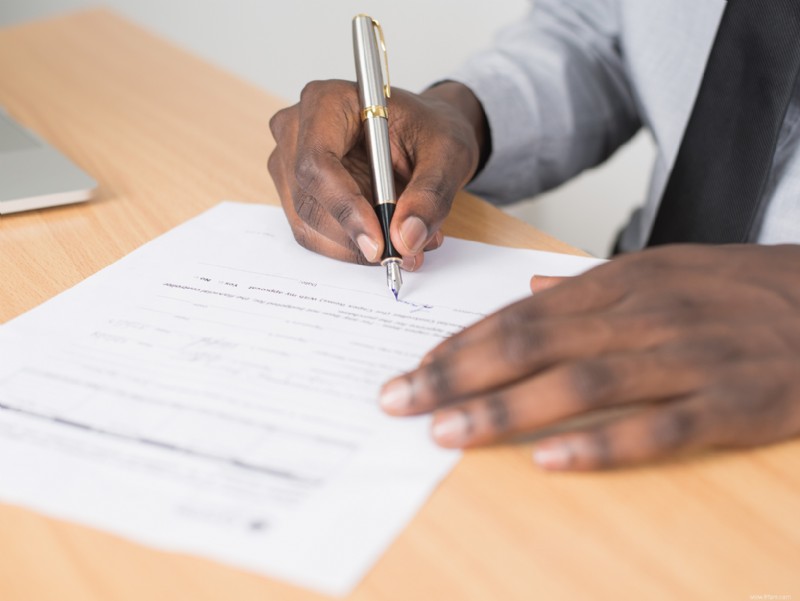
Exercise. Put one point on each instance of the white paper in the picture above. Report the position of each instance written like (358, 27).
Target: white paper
(214, 393)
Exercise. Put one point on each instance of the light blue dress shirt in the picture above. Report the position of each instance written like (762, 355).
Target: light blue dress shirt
(575, 79)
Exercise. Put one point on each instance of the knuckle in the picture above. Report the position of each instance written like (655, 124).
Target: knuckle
(307, 172)
(438, 379)
(747, 412)
(594, 382)
(311, 91)
(343, 210)
(436, 191)
(461, 147)
(499, 414)
(277, 123)
(741, 401)
(274, 163)
(638, 267)
(516, 347)
(308, 210)
(520, 343)
(331, 91)
(705, 349)
(599, 455)
(681, 305)
(668, 313)
(671, 430)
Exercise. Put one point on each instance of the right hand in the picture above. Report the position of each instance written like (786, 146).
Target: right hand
(321, 170)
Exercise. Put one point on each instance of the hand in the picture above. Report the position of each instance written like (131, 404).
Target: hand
(322, 174)
(704, 340)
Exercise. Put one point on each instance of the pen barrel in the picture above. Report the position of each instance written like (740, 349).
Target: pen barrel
(373, 92)
(369, 73)
(376, 131)
(385, 212)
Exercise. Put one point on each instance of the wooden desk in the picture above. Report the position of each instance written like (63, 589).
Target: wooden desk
(168, 136)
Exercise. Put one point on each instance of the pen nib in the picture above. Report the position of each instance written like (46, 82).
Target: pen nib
(393, 277)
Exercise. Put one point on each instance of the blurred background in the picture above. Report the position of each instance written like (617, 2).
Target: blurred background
(279, 46)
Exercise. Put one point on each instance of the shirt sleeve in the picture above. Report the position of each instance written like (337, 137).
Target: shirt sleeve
(556, 95)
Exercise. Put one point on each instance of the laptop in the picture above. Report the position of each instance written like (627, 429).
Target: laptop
(33, 174)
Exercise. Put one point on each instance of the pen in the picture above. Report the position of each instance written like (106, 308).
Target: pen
(373, 94)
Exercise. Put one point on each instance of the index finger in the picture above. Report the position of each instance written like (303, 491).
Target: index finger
(573, 297)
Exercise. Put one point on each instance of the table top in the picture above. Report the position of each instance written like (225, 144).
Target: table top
(167, 135)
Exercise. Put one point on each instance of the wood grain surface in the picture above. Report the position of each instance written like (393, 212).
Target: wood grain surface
(168, 136)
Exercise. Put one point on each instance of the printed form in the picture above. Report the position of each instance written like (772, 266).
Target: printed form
(215, 393)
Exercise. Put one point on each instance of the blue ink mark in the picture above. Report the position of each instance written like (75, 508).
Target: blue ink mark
(415, 307)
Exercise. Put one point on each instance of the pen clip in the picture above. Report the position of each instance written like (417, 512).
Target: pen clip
(387, 89)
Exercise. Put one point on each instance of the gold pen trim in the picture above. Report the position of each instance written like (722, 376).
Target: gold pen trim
(387, 88)
(376, 110)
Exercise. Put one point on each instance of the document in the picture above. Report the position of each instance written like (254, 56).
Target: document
(215, 393)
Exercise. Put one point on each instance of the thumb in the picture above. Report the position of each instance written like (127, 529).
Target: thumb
(540, 283)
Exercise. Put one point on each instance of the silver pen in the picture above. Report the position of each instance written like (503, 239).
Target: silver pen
(373, 94)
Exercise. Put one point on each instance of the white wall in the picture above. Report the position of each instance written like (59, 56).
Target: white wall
(281, 45)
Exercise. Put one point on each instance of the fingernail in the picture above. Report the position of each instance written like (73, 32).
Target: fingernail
(368, 247)
(409, 263)
(413, 233)
(451, 428)
(553, 456)
(396, 396)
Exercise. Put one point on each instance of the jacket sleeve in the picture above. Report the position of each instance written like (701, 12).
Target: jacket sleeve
(556, 95)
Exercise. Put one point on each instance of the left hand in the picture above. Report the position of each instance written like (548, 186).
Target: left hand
(706, 340)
